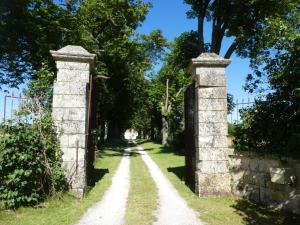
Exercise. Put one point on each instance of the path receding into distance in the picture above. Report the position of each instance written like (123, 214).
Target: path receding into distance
(172, 208)
(111, 209)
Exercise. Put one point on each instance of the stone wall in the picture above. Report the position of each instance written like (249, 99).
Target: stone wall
(267, 179)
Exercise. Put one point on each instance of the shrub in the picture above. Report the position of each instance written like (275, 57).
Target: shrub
(231, 129)
(270, 126)
(29, 163)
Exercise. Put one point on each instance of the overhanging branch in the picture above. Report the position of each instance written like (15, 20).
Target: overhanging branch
(231, 50)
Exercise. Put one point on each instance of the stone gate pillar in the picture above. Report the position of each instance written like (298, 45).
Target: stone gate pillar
(212, 175)
(70, 111)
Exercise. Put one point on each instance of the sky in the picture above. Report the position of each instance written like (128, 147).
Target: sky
(170, 17)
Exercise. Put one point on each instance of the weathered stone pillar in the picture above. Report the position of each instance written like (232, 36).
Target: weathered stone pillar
(212, 175)
(70, 111)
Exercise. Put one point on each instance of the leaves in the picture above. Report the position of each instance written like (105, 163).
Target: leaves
(272, 125)
(30, 165)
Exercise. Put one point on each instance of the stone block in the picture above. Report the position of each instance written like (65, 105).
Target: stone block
(69, 154)
(70, 140)
(253, 192)
(263, 165)
(69, 114)
(71, 127)
(76, 176)
(258, 179)
(265, 195)
(280, 175)
(82, 66)
(212, 92)
(212, 141)
(69, 101)
(212, 116)
(234, 163)
(212, 154)
(70, 88)
(213, 129)
(245, 163)
(64, 140)
(278, 196)
(211, 71)
(74, 138)
(210, 80)
(254, 164)
(238, 176)
(212, 167)
(212, 104)
(64, 75)
(212, 184)
(248, 177)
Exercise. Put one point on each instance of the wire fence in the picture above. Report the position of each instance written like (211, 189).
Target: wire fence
(235, 116)
(10, 104)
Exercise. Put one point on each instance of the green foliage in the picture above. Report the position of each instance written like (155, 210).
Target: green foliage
(230, 103)
(29, 164)
(231, 129)
(28, 30)
(270, 127)
(241, 20)
(29, 155)
(272, 124)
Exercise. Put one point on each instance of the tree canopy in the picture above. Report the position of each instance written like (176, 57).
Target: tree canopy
(276, 74)
(239, 19)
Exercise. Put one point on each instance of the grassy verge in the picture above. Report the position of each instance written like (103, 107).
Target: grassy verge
(142, 199)
(215, 211)
(65, 209)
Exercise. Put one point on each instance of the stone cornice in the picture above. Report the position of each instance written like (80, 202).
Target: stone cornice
(72, 53)
(208, 60)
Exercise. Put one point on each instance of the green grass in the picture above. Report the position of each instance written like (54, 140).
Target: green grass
(142, 199)
(65, 209)
(215, 211)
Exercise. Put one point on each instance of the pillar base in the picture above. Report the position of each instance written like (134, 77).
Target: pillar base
(212, 184)
(78, 193)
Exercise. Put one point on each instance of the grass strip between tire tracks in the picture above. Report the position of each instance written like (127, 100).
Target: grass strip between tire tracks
(142, 199)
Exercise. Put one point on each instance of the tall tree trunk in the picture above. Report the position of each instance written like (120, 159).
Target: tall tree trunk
(102, 132)
(165, 130)
(201, 34)
(113, 131)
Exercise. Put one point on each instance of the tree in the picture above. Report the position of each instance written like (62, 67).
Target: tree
(240, 19)
(173, 73)
(28, 30)
(272, 124)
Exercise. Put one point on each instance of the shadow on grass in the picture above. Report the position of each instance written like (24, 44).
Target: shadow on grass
(178, 171)
(163, 149)
(255, 214)
(115, 148)
(99, 174)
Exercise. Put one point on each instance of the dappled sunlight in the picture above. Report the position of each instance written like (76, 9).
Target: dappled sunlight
(254, 214)
(214, 210)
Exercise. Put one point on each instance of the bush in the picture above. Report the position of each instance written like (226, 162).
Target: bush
(29, 164)
(270, 126)
(231, 129)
